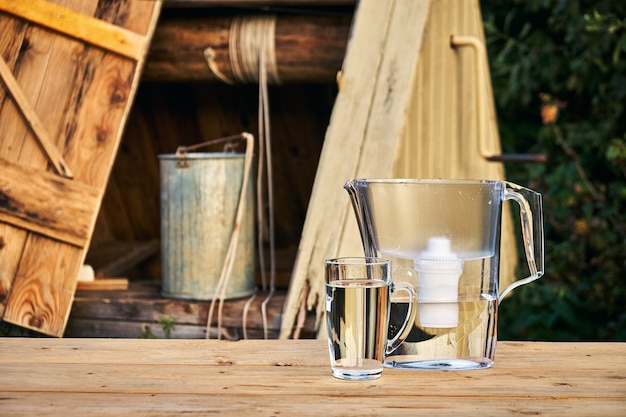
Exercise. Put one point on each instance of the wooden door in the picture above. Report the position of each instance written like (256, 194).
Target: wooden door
(69, 70)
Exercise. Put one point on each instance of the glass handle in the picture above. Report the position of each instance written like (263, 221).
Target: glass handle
(531, 216)
(395, 342)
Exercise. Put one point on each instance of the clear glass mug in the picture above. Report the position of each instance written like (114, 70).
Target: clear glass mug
(358, 304)
(443, 236)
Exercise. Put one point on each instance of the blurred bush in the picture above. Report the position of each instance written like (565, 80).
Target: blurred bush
(558, 71)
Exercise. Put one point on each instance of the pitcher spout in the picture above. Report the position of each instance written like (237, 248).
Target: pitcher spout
(355, 192)
(350, 187)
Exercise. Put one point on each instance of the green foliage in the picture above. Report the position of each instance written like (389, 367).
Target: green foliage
(558, 70)
(168, 324)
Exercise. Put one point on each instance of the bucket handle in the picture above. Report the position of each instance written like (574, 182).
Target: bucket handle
(181, 151)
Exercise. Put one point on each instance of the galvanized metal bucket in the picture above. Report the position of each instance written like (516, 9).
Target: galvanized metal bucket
(199, 198)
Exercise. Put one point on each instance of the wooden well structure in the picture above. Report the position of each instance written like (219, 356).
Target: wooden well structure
(395, 88)
(415, 101)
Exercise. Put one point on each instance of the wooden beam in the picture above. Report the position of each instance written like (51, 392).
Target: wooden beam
(308, 48)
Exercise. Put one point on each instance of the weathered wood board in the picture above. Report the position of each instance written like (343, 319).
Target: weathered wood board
(70, 69)
(409, 106)
(137, 311)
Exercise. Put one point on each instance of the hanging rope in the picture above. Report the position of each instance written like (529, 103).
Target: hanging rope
(253, 60)
(264, 137)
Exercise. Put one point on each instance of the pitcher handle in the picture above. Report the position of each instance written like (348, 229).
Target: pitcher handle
(395, 342)
(531, 216)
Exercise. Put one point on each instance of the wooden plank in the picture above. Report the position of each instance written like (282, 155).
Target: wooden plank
(143, 303)
(103, 284)
(78, 25)
(47, 204)
(44, 68)
(121, 314)
(296, 380)
(373, 69)
(10, 250)
(43, 286)
(155, 405)
(54, 404)
(327, 205)
(15, 135)
(510, 357)
(11, 239)
(35, 124)
(135, 329)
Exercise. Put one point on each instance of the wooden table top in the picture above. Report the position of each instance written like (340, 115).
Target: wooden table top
(137, 377)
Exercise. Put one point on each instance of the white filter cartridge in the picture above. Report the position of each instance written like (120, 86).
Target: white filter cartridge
(439, 270)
